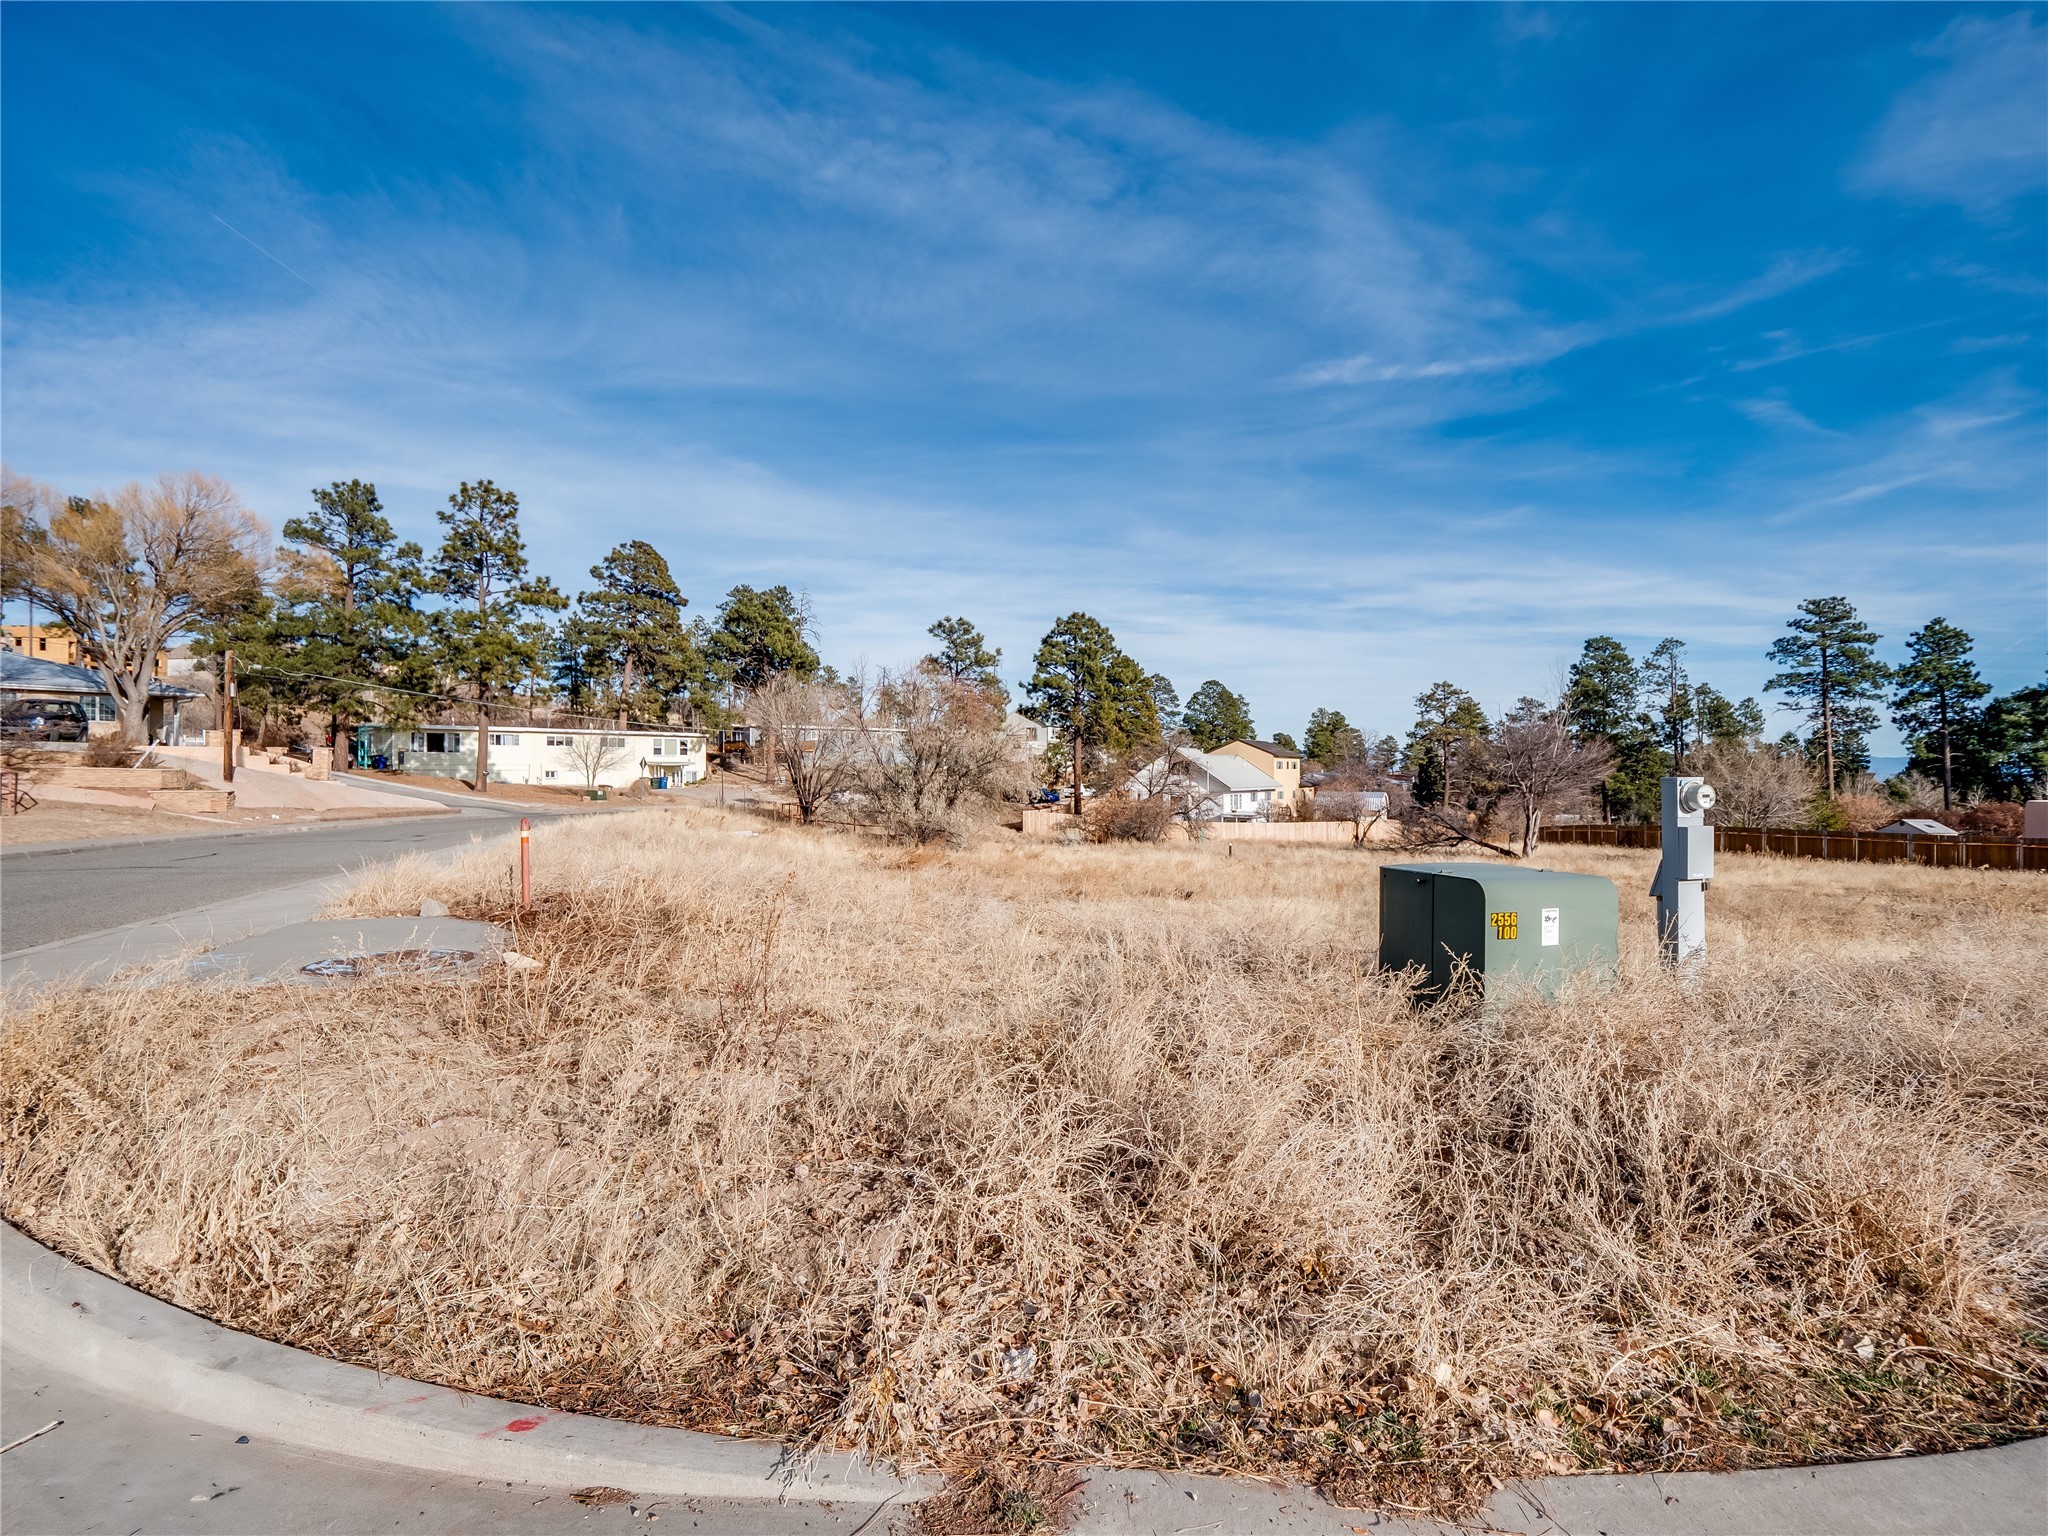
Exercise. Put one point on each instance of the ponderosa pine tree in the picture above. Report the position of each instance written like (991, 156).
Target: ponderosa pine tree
(1165, 703)
(1448, 733)
(1330, 738)
(2003, 753)
(1828, 667)
(1670, 689)
(489, 636)
(1603, 702)
(760, 634)
(1214, 715)
(634, 622)
(1087, 689)
(356, 586)
(1937, 697)
(1719, 721)
(965, 656)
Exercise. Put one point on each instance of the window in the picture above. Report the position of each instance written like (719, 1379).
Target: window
(503, 739)
(557, 741)
(547, 773)
(444, 741)
(615, 741)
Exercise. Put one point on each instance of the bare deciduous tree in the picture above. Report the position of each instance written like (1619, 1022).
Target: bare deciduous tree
(1172, 779)
(1533, 767)
(127, 573)
(933, 755)
(592, 753)
(1756, 785)
(811, 736)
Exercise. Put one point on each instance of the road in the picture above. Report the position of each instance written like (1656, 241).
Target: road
(51, 895)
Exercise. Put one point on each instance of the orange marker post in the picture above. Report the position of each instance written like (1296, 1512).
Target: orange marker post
(525, 863)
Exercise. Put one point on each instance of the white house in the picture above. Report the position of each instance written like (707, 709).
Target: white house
(1027, 737)
(1209, 786)
(572, 756)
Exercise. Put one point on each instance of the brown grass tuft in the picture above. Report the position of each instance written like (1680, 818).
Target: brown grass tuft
(1111, 1153)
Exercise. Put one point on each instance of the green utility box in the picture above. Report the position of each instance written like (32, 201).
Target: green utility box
(1500, 919)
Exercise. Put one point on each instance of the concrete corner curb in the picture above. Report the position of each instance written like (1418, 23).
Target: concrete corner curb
(134, 1346)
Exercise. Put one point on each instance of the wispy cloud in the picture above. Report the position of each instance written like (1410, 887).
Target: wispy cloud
(1974, 130)
(1991, 343)
(1771, 411)
(800, 298)
(1782, 276)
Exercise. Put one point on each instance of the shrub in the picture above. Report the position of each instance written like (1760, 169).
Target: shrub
(1994, 818)
(109, 751)
(1866, 813)
(1121, 819)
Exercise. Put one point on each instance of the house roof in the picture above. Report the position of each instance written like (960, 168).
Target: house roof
(1919, 826)
(542, 727)
(34, 674)
(1270, 748)
(1232, 773)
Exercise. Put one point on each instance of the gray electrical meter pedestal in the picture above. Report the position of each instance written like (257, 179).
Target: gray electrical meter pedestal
(1501, 920)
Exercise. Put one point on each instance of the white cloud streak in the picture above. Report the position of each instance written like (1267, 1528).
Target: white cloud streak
(1973, 130)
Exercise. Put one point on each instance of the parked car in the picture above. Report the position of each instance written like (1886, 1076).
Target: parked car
(43, 720)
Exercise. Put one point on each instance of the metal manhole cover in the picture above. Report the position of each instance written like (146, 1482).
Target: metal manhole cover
(392, 962)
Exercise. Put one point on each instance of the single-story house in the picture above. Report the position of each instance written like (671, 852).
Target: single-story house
(30, 677)
(1280, 764)
(1208, 786)
(572, 756)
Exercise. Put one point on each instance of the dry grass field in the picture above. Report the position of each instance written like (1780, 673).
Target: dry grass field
(1122, 1154)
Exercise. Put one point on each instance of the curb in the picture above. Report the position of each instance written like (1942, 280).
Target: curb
(134, 1346)
(467, 797)
(113, 1338)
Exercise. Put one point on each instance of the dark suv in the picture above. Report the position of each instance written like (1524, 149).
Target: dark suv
(43, 720)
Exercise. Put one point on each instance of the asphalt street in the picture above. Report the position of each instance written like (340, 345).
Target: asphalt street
(51, 895)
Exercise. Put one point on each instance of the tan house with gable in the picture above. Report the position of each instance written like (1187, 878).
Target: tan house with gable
(1280, 764)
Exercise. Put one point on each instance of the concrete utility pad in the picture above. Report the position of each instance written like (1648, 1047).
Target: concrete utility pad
(351, 949)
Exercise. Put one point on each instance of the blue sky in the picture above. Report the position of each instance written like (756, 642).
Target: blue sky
(1328, 351)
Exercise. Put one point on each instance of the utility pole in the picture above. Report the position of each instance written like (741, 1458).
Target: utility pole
(227, 717)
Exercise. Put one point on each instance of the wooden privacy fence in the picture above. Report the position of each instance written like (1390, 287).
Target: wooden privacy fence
(1864, 847)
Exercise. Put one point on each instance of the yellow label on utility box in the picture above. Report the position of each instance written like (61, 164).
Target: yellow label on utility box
(1506, 925)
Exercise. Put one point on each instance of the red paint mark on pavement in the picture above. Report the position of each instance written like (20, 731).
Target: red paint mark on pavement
(406, 1402)
(521, 1426)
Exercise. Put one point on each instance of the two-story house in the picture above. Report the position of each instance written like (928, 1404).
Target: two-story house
(1280, 764)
